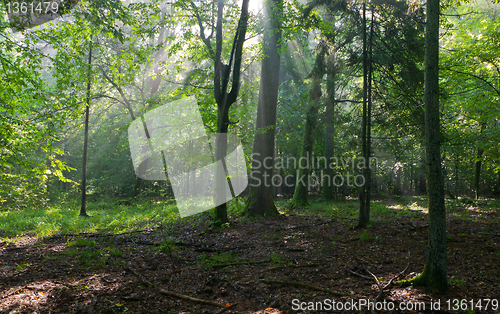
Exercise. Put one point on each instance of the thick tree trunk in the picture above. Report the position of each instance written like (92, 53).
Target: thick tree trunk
(435, 270)
(260, 200)
(220, 176)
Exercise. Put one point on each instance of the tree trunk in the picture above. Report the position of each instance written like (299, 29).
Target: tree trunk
(368, 172)
(302, 183)
(328, 187)
(479, 158)
(435, 270)
(260, 200)
(83, 210)
(225, 100)
(364, 217)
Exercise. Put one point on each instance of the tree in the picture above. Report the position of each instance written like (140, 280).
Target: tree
(302, 185)
(83, 211)
(364, 200)
(222, 79)
(32, 111)
(260, 200)
(435, 270)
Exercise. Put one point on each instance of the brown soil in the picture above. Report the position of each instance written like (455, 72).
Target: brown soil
(312, 250)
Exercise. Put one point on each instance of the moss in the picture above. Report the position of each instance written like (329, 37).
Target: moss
(425, 279)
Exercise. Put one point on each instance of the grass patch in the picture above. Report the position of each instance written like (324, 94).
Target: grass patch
(167, 246)
(114, 252)
(22, 266)
(79, 242)
(90, 258)
(106, 217)
(216, 259)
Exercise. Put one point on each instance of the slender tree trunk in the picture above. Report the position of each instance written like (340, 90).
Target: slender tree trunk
(363, 218)
(479, 158)
(328, 192)
(83, 210)
(457, 192)
(302, 183)
(435, 270)
(260, 199)
(368, 177)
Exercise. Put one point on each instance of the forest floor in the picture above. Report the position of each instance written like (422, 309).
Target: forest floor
(268, 265)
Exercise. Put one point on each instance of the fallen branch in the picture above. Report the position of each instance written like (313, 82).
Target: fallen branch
(299, 284)
(241, 263)
(227, 308)
(185, 297)
(91, 235)
(358, 274)
(399, 274)
(380, 289)
(174, 294)
(296, 266)
(491, 234)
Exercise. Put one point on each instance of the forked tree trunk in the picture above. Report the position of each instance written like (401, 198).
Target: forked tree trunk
(260, 200)
(226, 99)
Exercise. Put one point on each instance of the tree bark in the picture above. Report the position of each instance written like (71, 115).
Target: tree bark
(368, 171)
(479, 158)
(224, 99)
(364, 217)
(328, 187)
(435, 270)
(260, 201)
(302, 184)
(83, 209)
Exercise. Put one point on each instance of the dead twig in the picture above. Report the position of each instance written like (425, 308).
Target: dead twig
(296, 266)
(358, 274)
(303, 285)
(227, 308)
(399, 274)
(380, 289)
(491, 234)
(174, 294)
(242, 263)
